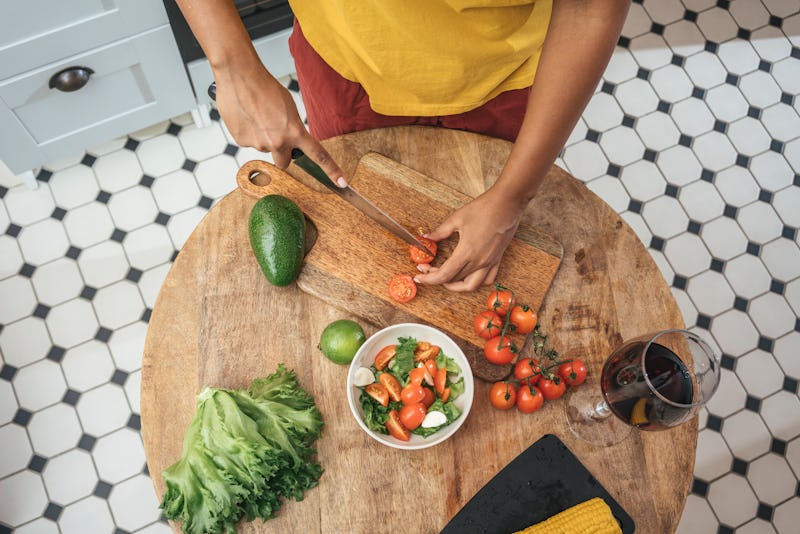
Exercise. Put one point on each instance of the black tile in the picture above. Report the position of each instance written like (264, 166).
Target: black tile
(214, 114)
(71, 397)
(776, 146)
(764, 511)
(778, 446)
(795, 53)
(174, 256)
(53, 511)
(656, 243)
(690, 15)
(671, 190)
(743, 34)
(189, 165)
(649, 155)
(740, 304)
(635, 206)
(121, 531)
(775, 21)
(764, 65)
(5, 530)
(699, 93)
(728, 362)
(3, 191)
(293, 85)
(694, 227)
(714, 423)
(73, 253)
(657, 28)
(103, 197)
(58, 214)
(703, 321)
(720, 126)
(608, 88)
(147, 181)
(102, 489)
(592, 135)
(7, 372)
(711, 46)
(13, 230)
(628, 121)
(87, 442)
(699, 487)
(88, 160)
(134, 275)
(119, 377)
(677, 60)
(56, 353)
(789, 384)
(732, 79)
(27, 270)
(103, 334)
(796, 181)
(765, 196)
(145, 318)
(739, 466)
(118, 235)
(724, 4)
(679, 281)
(787, 99)
(643, 74)
(614, 170)
(41, 311)
(22, 417)
(685, 140)
(135, 421)
(37, 463)
(231, 150)
(776, 286)
(753, 404)
(146, 470)
(724, 529)
(173, 129)
(88, 292)
(205, 202)
(753, 112)
(753, 248)
(707, 175)
(623, 41)
(717, 265)
(131, 144)
(742, 161)
(766, 344)
(663, 106)
(162, 218)
(730, 211)
(44, 176)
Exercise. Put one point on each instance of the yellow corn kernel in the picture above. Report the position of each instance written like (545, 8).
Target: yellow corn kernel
(589, 517)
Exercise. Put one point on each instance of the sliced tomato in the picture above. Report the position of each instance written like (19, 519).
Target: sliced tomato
(417, 375)
(384, 356)
(430, 396)
(411, 415)
(499, 350)
(391, 384)
(412, 394)
(402, 288)
(378, 392)
(440, 380)
(420, 256)
(430, 365)
(445, 394)
(523, 318)
(500, 301)
(396, 428)
(425, 351)
(487, 324)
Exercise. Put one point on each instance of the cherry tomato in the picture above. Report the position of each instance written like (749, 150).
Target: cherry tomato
(391, 384)
(411, 415)
(440, 380)
(396, 428)
(550, 390)
(378, 392)
(573, 373)
(500, 301)
(425, 351)
(430, 396)
(499, 350)
(417, 375)
(487, 324)
(430, 365)
(420, 256)
(523, 318)
(384, 356)
(412, 394)
(503, 395)
(402, 288)
(527, 371)
(529, 399)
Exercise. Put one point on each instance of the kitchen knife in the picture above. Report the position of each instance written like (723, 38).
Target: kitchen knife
(349, 194)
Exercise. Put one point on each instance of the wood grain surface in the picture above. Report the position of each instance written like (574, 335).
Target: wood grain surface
(217, 321)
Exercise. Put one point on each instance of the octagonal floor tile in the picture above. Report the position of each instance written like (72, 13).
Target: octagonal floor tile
(119, 455)
(69, 476)
(746, 435)
(24, 342)
(24, 498)
(54, 430)
(87, 516)
(771, 479)
(732, 500)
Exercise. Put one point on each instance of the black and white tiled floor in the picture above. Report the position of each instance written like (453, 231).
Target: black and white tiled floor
(693, 136)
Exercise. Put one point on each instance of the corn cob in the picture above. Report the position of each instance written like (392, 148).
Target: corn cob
(589, 517)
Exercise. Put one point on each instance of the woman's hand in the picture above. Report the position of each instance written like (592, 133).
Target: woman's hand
(485, 227)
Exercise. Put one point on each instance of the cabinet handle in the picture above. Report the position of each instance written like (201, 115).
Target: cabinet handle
(70, 79)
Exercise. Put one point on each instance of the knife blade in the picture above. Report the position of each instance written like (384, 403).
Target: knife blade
(359, 201)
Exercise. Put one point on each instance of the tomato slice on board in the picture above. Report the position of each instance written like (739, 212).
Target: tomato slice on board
(391, 384)
(384, 356)
(420, 256)
(378, 392)
(396, 428)
(402, 288)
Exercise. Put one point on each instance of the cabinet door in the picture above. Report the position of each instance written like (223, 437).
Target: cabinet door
(37, 32)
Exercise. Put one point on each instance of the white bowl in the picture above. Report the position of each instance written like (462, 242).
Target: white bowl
(365, 358)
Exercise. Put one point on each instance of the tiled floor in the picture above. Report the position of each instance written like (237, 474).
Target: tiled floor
(694, 136)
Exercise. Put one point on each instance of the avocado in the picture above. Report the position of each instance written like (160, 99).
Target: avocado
(277, 230)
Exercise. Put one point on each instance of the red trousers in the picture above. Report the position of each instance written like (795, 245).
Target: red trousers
(336, 106)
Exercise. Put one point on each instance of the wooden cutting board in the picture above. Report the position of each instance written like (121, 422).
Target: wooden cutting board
(353, 258)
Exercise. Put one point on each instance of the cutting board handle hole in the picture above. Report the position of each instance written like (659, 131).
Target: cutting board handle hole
(259, 178)
(255, 176)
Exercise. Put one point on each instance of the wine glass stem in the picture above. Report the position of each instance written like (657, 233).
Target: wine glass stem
(601, 410)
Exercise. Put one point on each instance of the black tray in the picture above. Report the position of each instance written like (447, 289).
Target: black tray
(542, 481)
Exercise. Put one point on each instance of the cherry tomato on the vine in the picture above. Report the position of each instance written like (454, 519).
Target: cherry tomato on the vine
(503, 395)
(499, 350)
(527, 370)
(523, 318)
(487, 324)
(500, 301)
(550, 389)
(529, 399)
(573, 373)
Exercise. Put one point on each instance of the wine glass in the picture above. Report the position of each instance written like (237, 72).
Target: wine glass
(651, 382)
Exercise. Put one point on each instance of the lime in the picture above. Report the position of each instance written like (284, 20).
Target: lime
(340, 340)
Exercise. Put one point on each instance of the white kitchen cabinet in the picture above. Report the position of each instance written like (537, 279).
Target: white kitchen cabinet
(129, 61)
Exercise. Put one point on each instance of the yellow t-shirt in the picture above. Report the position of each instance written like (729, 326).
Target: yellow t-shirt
(428, 57)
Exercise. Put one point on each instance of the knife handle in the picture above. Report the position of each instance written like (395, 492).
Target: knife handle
(305, 163)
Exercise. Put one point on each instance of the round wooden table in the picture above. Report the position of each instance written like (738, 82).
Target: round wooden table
(218, 322)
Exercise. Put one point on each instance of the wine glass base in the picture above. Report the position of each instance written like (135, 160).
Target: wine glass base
(584, 422)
